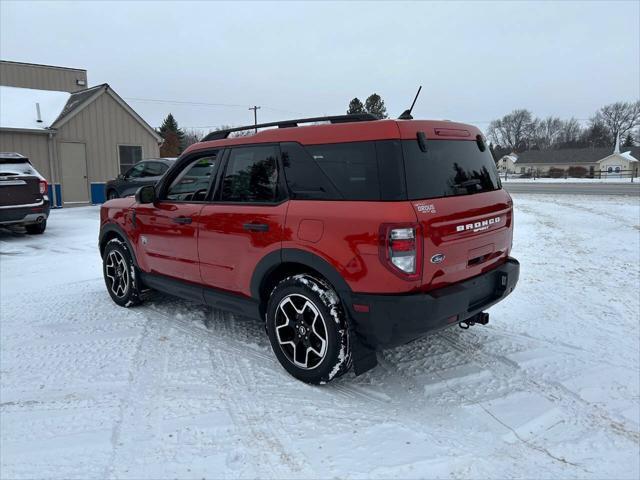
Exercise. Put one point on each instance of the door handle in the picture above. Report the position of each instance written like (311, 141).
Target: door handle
(182, 220)
(256, 227)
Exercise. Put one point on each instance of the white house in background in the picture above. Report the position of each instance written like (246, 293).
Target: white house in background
(507, 163)
(619, 162)
(594, 162)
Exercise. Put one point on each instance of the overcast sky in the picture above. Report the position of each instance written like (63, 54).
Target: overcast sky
(476, 61)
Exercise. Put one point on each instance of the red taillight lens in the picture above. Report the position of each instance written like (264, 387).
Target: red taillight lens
(43, 187)
(401, 249)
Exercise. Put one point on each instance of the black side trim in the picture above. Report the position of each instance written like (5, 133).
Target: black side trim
(197, 293)
(114, 227)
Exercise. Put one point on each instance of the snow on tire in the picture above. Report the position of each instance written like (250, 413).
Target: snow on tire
(308, 329)
(120, 275)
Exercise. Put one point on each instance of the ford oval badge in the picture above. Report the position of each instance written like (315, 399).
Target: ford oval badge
(437, 258)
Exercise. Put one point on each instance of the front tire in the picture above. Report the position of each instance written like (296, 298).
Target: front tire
(120, 274)
(36, 228)
(111, 194)
(308, 329)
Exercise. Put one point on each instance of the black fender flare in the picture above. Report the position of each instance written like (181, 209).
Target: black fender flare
(271, 261)
(115, 228)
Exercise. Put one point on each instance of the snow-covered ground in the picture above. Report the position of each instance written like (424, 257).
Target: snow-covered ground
(611, 179)
(550, 388)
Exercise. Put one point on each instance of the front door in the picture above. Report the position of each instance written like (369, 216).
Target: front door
(246, 220)
(167, 243)
(73, 166)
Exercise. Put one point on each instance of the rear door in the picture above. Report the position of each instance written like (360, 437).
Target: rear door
(246, 220)
(464, 213)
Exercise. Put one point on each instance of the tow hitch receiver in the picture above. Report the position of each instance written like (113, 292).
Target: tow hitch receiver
(481, 318)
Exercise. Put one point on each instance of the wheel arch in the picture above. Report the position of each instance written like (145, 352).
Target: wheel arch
(289, 261)
(110, 231)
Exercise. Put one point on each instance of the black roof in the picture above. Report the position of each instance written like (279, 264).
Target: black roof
(571, 155)
(76, 99)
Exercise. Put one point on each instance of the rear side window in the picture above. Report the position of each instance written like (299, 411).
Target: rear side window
(251, 175)
(448, 168)
(345, 171)
(351, 167)
(154, 169)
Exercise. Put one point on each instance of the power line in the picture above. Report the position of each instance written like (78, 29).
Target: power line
(203, 104)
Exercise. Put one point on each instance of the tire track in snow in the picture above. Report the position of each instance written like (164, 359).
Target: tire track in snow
(556, 393)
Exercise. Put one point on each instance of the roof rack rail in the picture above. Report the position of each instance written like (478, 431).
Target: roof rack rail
(358, 117)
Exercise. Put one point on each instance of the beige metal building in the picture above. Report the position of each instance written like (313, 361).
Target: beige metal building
(42, 77)
(78, 140)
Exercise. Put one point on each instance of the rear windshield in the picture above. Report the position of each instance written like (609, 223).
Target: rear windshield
(16, 167)
(388, 170)
(448, 168)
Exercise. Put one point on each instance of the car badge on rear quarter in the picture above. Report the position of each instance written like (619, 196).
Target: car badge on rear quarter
(438, 258)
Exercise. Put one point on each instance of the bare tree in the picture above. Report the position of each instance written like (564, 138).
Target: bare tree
(618, 118)
(191, 136)
(515, 130)
(570, 132)
(547, 132)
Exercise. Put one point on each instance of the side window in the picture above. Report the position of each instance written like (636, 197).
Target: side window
(137, 171)
(128, 156)
(305, 178)
(192, 183)
(251, 175)
(154, 169)
(352, 168)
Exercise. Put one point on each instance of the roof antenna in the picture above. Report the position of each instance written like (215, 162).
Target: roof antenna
(406, 115)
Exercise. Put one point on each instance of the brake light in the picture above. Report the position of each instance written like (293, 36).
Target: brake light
(401, 249)
(43, 187)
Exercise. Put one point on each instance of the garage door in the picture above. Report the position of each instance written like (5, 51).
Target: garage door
(73, 165)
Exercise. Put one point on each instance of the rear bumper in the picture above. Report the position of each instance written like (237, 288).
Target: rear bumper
(396, 319)
(21, 214)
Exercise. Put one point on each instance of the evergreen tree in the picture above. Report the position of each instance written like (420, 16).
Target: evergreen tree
(375, 106)
(355, 106)
(628, 141)
(173, 138)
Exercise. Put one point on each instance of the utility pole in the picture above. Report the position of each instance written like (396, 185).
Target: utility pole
(255, 109)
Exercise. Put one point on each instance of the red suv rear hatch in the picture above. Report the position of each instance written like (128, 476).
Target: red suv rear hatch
(465, 216)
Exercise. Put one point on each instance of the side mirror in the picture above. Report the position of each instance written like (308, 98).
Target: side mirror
(146, 194)
(121, 176)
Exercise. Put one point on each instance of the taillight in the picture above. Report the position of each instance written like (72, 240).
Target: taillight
(401, 249)
(43, 187)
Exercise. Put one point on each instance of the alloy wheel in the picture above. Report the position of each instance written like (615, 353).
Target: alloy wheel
(117, 271)
(301, 331)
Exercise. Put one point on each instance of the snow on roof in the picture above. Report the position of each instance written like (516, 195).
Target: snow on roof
(18, 107)
(628, 156)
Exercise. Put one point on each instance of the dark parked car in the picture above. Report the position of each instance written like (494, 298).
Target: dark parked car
(23, 194)
(145, 172)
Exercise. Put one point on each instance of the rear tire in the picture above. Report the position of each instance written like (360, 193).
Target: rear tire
(120, 274)
(36, 228)
(308, 329)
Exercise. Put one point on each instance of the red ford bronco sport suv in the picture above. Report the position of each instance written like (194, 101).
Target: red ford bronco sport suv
(346, 237)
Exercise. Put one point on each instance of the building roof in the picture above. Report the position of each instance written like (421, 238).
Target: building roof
(574, 156)
(77, 99)
(57, 67)
(18, 107)
(564, 155)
